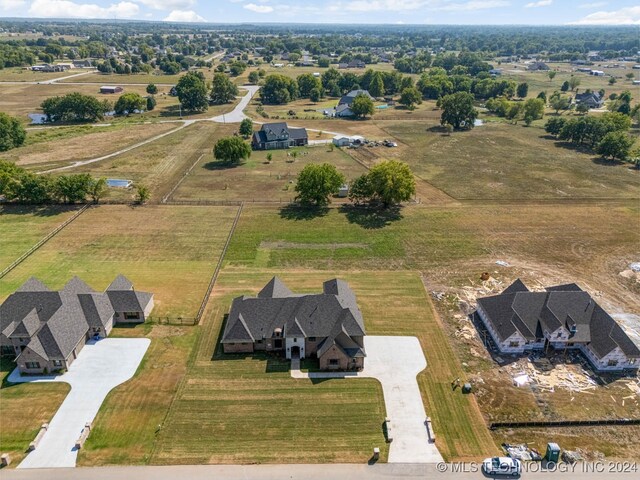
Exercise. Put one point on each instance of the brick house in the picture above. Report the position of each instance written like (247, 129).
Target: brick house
(45, 330)
(562, 317)
(327, 326)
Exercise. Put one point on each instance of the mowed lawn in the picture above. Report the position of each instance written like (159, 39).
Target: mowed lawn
(246, 408)
(256, 179)
(23, 227)
(24, 408)
(498, 161)
(170, 251)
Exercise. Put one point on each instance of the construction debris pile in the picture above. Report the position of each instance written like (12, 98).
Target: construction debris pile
(547, 376)
(521, 452)
(633, 272)
(569, 456)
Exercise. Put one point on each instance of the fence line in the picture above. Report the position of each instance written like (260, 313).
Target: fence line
(171, 320)
(212, 283)
(48, 237)
(175, 187)
(566, 423)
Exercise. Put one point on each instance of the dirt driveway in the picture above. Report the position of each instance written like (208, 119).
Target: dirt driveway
(395, 362)
(101, 366)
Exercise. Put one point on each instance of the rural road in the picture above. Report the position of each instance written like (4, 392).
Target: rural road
(235, 116)
(296, 472)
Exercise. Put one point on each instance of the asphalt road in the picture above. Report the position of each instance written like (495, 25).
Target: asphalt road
(304, 472)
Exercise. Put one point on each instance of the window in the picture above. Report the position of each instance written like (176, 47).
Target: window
(57, 363)
(612, 363)
(333, 361)
(295, 340)
(258, 341)
(132, 316)
(32, 365)
(312, 339)
(514, 344)
(559, 335)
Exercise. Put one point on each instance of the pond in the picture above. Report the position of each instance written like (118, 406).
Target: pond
(117, 183)
(37, 118)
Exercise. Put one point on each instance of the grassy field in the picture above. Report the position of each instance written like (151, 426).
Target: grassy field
(256, 179)
(141, 78)
(23, 75)
(508, 162)
(170, 251)
(57, 146)
(23, 227)
(30, 405)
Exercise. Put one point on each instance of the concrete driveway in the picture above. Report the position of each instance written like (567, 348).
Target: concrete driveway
(237, 114)
(395, 362)
(100, 367)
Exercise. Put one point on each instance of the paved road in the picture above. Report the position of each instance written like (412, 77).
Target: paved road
(395, 362)
(100, 367)
(284, 472)
(237, 114)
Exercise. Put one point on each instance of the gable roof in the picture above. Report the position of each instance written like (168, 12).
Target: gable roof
(350, 97)
(278, 131)
(120, 283)
(331, 314)
(561, 306)
(33, 285)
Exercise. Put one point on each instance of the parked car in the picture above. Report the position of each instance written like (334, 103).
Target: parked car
(502, 466)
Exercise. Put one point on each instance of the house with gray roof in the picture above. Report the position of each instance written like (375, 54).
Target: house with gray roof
(563, 317)
(45, 330)
(327, 326)
(343, 109)
(279, 135)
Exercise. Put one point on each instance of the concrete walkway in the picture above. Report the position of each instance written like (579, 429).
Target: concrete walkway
(100, 367)
(395, 362)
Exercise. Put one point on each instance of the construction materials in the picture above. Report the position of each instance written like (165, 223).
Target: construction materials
(5, 460)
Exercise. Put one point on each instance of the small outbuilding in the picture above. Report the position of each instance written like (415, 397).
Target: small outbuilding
(111, 89)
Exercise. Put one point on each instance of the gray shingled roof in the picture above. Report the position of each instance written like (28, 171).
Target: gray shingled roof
(333, 313)
(517, 309)
(120, 283)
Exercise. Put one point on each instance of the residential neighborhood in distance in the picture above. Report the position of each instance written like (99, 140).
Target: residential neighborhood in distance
(250, 240)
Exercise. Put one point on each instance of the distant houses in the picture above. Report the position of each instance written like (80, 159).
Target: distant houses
(563, 317)
(591, 99)
(352, 64)
(279, 135)
(45, 330)
(108, 89)
(538, 66)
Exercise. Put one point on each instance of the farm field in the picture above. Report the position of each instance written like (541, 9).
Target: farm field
(170, 251)
(30, 407)
(52, 147)
(256, 179)
(23, 227)
(141, 78)
(160, 164)
(23, 75)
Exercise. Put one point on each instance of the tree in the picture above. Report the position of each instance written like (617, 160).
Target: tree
(574, 82)
(410, 97)
(152, 89)
(254, 77)
(246, 127)
(97, 189)
(317, 182)
(376, 86)
(615, 145)
(231, 150)
(361, 189)
(522, 90)
(192, 92)
(223, 90)
(12, 133)
(324, 62)
(542, 96)
(151, 103)
(630, 76)
(565, 86)
(279, 89)
(582, 108)
(554, 125)
(75, 107)
(142, 194)
(72, 188)
(308, 83)
(362, 106)
(533, 110)
(128, 103)
(559, 102)
(612, 80)
(458, 110)
(316, 95)
(392, 182)
(551, 74)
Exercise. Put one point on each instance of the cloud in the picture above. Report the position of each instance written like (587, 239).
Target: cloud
(474, 5)
(593, 5)
(258, 8)
(168, 4)
(541, 3)
(623, 16)
(384, 5)
(68, 9)
(183, 16)
(11, 4)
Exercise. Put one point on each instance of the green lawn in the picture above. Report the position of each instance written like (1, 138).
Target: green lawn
(170, 251)
(256, 179)
(23, 227)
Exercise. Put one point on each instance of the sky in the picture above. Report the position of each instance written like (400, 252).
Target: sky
(484, 12)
